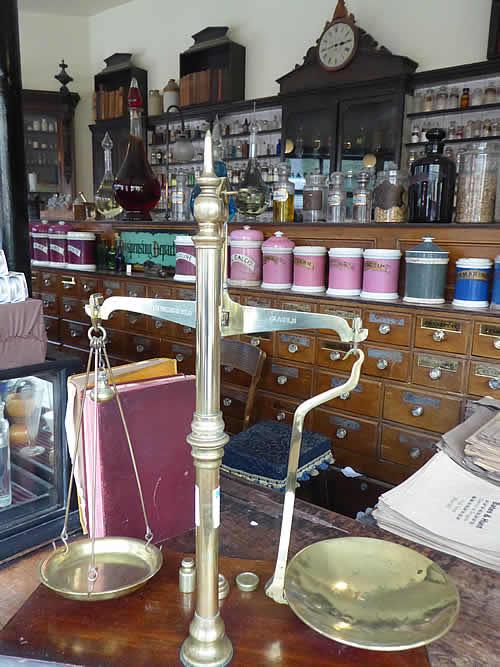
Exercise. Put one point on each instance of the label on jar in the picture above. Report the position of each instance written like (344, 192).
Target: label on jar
(40, 247)
(409, 397)
(360, 199)
(489, 330)
(59, 250)
(280, 194)
(305, 263)
(443, 363)
(473, 274)
(177, 197)
(239, 258)
(285, 370)
(73, 250)
(487, 370)
(185, 257)
(313, 200)
(335, 199)
(341, 264)
(445, 325)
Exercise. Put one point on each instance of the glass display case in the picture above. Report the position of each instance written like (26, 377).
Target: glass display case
(34, 460)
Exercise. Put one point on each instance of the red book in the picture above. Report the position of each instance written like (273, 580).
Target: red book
(158, 414)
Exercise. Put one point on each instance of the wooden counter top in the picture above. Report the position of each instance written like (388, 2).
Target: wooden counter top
(250, 529)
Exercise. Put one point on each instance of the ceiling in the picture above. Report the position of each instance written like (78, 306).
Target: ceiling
(68, 7)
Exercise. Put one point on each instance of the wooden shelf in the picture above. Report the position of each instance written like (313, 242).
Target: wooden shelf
(474, 140)
(453, 112)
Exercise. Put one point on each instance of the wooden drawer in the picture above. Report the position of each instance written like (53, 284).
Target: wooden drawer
(142, 347)
(421, 409)
(290, 379)
(50, 304)
(443, 334)
(134, 289)
(233, 402)
(484, 379)
(331, 309)
(364, 399)
(181, 332)
(486, 340)
(51, 328)
(74, 309)
(112, 287)
(159, 292)
(234, 376)
(385, 362)
(87, 286)
(160, 327)
(408, 448)
(36, 280)
(185, 355)
(257, 301)
(49, 281)
(330, 353)
(262, 340)
(136, 322)
(347, 432)
(392, 473)
(232, 425)
(438, 371)
(388, 327)
(74, 334)
(276, 408)
(69, 285)
(184, 293)
(296, 347)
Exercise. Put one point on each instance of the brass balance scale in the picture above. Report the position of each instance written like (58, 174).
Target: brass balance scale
(362, 592)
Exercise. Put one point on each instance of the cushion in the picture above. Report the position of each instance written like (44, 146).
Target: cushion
(260, 454)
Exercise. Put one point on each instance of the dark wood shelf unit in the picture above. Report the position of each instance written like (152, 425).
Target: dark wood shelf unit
(468, 72)
(453, 112)
(496, 137)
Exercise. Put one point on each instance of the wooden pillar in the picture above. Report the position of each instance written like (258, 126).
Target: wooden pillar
(13, 189)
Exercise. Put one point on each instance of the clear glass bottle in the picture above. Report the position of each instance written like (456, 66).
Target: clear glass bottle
(180, 208)
(415, 135)
(283, 197)
(390, 196)
(454, 99)
(105, 201)
(5, 472)
(442, 99)
(315, 198)
(349, 190)
(336, 210)
(490, 94)
(362, 199)
(428, 101)
(254, 196)
(477, 184)
(477, 97)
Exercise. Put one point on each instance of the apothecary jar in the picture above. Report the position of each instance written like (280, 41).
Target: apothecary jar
(477, 183)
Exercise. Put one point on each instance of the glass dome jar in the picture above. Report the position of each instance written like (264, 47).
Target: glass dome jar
(477, 183)
(315, 198)
(390, 196)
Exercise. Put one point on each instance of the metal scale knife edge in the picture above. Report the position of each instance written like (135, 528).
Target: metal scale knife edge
(232, 319)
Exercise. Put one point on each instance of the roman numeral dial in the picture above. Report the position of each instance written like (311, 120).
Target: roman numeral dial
(337, 46)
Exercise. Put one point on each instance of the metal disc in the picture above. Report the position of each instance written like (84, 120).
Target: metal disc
(371, 593)
(124, 564)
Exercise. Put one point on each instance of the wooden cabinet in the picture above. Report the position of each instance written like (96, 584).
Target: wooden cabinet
(435, 412)
(364, 399)
(486, 340)
(484, 379)
(443, 334)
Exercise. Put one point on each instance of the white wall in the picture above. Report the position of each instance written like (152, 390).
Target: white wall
(277, 33)
(45, 39)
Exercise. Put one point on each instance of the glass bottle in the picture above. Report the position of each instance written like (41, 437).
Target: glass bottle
(136, 188)
(336, 209)
(283, 197)
(254, 196)
(428, 101)
(477, 97)
(432, 183)
(465, 99)
(390, 196)
(105, 201)
(5, 474)
(452, 130)
(442, 98)
(120, 262)
(415, 135)
(180, 198)
(454, 99)
(315, 196)
(349, 189)
(490, 94)
(362, 199)
(477, 183)
(111, 255)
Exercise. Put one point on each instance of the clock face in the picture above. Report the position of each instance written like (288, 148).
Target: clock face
(337, 46)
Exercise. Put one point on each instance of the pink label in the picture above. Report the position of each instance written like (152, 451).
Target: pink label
(345, 273)
(381, 276)
(309, 271)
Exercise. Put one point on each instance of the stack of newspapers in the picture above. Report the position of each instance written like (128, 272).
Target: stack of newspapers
(446, 507)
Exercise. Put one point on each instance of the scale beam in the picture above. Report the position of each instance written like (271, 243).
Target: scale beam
(178, 311)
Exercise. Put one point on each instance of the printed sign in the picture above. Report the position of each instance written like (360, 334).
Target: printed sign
(144, 246)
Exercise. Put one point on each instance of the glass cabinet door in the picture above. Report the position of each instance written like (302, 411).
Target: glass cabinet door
(43, 153)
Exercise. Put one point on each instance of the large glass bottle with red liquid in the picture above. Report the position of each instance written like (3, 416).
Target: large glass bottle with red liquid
(136, 188)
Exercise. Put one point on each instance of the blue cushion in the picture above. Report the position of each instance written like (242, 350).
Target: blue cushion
(260, 454)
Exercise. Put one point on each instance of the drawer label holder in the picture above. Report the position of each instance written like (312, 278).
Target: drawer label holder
(443, 363)
(409, 397)
(446, 325)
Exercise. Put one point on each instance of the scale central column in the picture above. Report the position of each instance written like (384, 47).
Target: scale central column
(207, 644)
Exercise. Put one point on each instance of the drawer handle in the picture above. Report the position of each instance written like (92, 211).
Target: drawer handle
(384, 329)
(108, 291)
(187, 330)
(67, 308)
(341, 433)
(439, 336)
(46, 303)
(179, 357)
(87, 288)
(139, 348)
(496, 343)
(417, 411)
(494, 383)
(345, 396)
(292, 348)
(67, 283)
(363, 486)
(73, 333)
(133, 319)
(415, 452)
(282, 379)
(111, 316)
(47, 327)
(133, 294)
(281, 416)
(335, 356)
(255, 341)
(226, 402)
(46, 282)
(158, 324)
(435, 373)
(382, 364)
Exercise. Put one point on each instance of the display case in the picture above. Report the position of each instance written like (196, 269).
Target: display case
(35, 480)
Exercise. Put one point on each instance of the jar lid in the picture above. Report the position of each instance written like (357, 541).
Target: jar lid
(39, 227)
(345, 252)
(246, 234)
(427, 249)
(474, 263)
(278, 240)
(316, 179)
(154, 91)
(497, 259)
(309, 250)
(381, 253)
(81, 236)
(247, 581)
(59, 228)
(184, 240)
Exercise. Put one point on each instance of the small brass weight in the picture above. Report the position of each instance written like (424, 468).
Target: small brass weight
(214, 315)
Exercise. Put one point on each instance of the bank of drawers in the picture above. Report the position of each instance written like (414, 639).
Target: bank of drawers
(420, 366)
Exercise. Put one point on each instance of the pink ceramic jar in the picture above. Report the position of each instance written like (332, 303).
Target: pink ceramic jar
(39, 234)
(245, 268)
(57, 244)
(277, 262)
(81, 251)
(346, 271)
(185, 259)
(380, 274)
(309, 269)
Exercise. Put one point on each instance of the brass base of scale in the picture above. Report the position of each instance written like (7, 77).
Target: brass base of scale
(362, 592)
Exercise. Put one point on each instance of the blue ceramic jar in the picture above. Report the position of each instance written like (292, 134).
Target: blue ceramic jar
(495, 297)
(472, 286)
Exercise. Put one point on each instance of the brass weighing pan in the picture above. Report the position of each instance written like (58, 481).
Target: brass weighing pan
(123, 565)
(371, 593)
